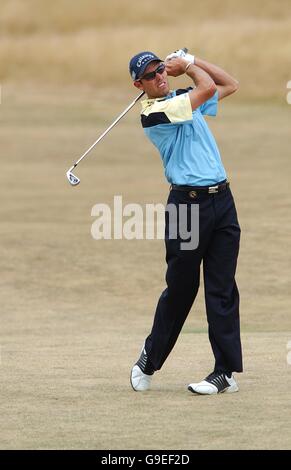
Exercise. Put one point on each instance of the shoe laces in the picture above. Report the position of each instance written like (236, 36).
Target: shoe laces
(145, 364)
(214, 375)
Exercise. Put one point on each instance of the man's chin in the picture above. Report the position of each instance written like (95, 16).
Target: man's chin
(159, 93)
(165, 88)
(164, 91)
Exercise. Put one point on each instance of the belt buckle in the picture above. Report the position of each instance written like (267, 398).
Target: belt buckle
(213, 189)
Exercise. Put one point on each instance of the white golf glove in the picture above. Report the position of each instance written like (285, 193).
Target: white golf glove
(183, 54)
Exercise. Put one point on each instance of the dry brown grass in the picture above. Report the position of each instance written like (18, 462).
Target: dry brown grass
(68, 42)
(28, 16)
(74, 311)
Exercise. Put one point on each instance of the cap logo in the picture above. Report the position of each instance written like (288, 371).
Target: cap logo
(143, 59)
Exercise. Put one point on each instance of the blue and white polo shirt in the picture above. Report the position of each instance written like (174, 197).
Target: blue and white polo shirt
(188, 149)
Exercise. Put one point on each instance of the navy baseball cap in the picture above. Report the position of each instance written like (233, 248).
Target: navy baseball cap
(139, 63)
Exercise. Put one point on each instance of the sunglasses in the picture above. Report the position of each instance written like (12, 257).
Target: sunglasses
(151, 75)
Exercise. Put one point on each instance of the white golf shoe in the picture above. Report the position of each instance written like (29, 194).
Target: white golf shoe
(140, 382)
(141, 373)
(216, 382)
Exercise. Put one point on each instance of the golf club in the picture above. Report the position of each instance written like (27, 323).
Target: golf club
(73, 179)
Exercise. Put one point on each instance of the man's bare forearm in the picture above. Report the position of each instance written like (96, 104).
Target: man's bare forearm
(205, 86)
(200, 77)
(219, 75)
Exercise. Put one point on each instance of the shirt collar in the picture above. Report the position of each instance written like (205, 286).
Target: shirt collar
(150, 101)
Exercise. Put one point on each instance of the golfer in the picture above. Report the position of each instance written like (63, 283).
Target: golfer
(174, 122)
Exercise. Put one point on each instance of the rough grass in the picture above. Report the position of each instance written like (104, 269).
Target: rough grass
(21, 17)
(62, 42)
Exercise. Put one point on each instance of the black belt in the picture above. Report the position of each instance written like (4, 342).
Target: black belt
(201, 189)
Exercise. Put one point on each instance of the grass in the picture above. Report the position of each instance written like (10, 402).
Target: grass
(75, 311)
(18, 17)
(63, 43)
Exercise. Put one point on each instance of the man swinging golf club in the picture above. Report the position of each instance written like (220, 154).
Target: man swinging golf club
(174, 122)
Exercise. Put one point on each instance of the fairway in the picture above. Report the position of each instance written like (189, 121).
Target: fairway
(75, 310)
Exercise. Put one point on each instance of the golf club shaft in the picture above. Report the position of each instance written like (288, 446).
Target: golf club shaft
(109, 129)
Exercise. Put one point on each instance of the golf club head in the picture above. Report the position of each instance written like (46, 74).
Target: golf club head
(73, 180)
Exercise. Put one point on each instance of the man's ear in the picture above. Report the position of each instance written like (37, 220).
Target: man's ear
(138, 85)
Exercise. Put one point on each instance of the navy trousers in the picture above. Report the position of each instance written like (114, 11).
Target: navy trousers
(219, 235)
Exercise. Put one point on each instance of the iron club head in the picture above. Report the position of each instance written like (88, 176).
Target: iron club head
(73, 180)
